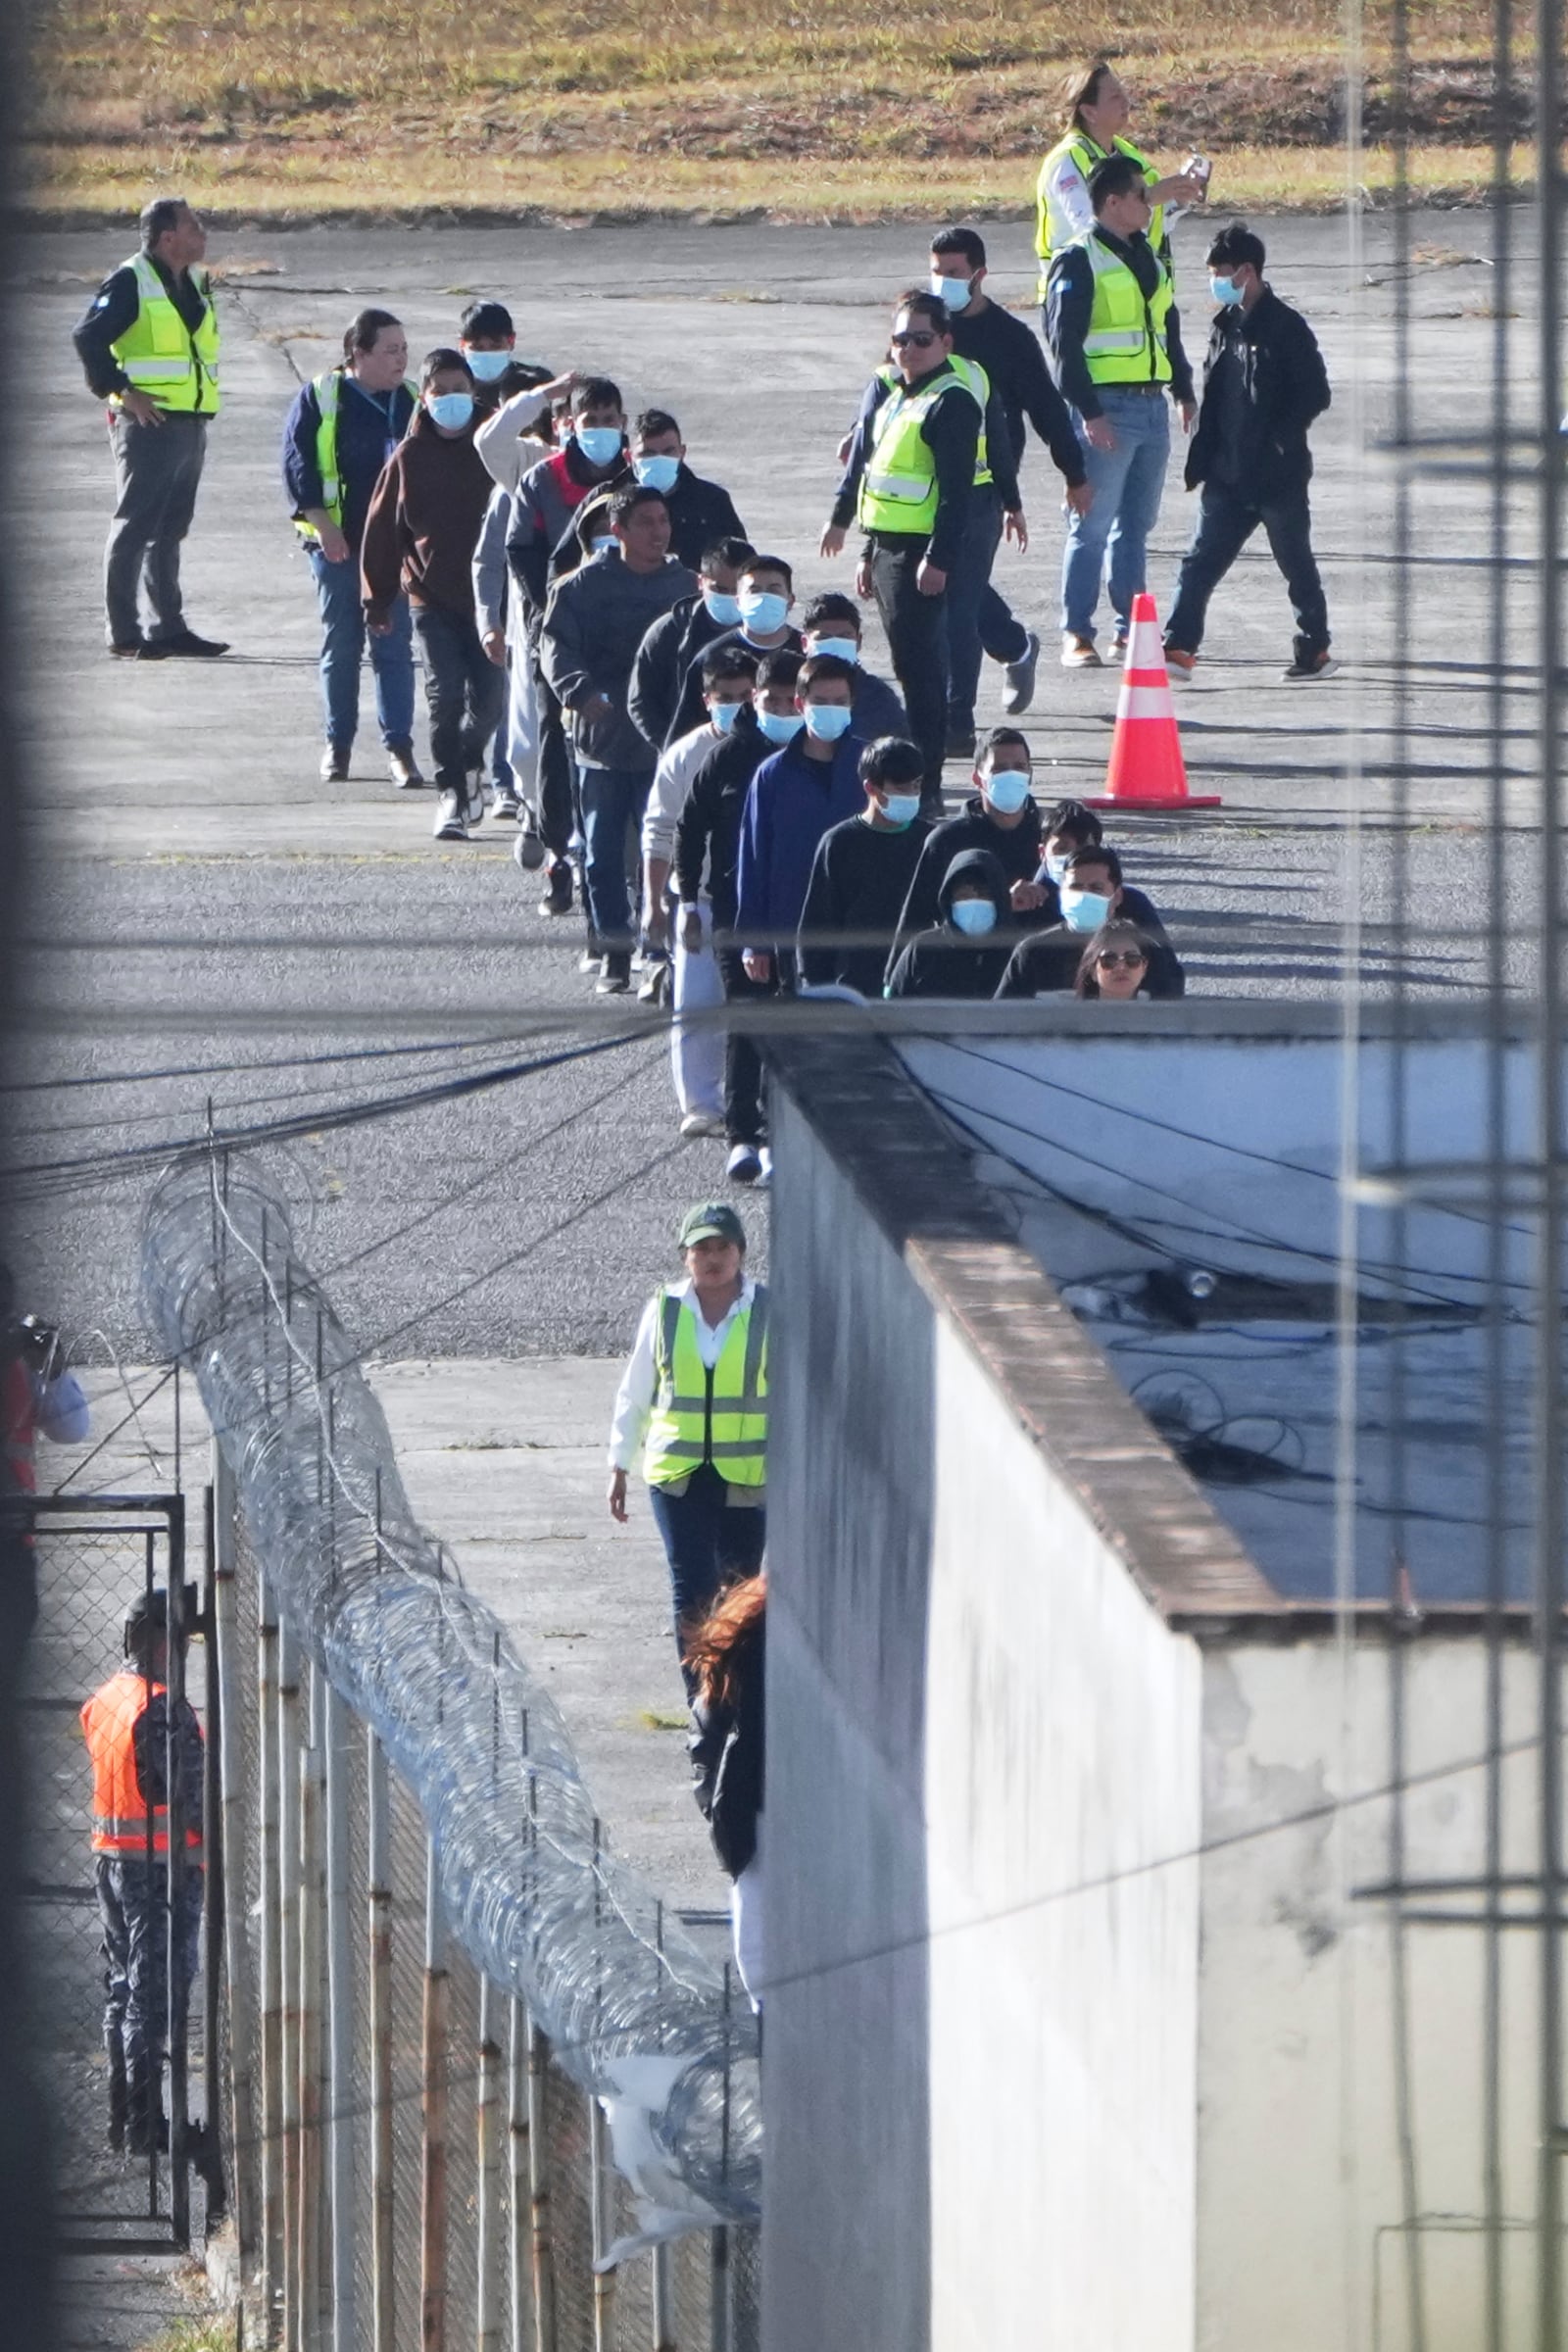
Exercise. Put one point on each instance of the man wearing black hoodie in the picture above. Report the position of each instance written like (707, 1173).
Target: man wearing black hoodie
(966, 952)
(682, 636)
(708, 836)
(861, 873)
(1000, 817)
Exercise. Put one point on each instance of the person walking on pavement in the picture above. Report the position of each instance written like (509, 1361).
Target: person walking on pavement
(1264, 382)
(708, 843)
(919, 450)
(149, 346)
(765, 596)
(1014, 365)
(1116, 338)
(1000, 817)
(861, 873)
(966, 951)
(342, 429)
(700, 512)
(487, 340)
(831, 625)
(810, 784)
(682, 636)
(727, 1657)
(596, 622)
(1098, 114)
(693, 1402)
(149, 1951)
(514, 778)
(420, 532)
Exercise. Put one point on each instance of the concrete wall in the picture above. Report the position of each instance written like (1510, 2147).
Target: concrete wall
(982, 1775)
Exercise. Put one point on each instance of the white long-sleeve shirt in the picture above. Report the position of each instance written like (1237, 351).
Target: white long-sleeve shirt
(504, 454)
(672, 781)
(634, 1398)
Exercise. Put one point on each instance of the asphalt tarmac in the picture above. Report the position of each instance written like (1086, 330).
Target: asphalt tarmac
(208, 921)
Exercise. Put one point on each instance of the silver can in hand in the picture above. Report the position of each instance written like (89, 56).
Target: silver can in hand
(1198, 167)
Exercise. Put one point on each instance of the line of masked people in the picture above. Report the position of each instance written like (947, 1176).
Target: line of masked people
(798, 857)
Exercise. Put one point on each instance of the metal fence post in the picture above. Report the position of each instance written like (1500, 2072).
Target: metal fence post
(488, 2158)
(599, 2195)
(288, 1941)
(340, 2030)
(312, 1944)
(234, 1769)
(433, 2200)
(520, 2301)
(544, 2249)
(176, 1881)
(270, 1748)
(719, 2291)
(378, 1843)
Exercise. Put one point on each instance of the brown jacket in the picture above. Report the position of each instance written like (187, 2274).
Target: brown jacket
(423, 523)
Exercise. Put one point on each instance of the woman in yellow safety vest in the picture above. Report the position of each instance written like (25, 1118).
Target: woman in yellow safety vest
(1098, 112)
(694, 1400)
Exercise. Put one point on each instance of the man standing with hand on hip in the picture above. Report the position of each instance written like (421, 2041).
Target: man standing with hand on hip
(149, 345)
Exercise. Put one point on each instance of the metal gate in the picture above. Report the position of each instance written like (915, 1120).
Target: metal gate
(93, 1558)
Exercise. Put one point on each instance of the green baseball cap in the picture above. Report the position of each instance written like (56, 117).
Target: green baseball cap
(712, 1221)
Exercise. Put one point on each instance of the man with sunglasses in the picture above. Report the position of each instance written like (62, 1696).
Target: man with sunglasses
(926, 438)
(1116, 340)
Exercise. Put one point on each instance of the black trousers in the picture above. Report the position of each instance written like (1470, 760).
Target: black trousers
(1225, 523)
(745, 1111)
(557, 810)
(466, 692)
(916, 628)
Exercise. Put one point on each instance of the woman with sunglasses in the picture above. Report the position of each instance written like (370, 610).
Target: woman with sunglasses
(1115, 964)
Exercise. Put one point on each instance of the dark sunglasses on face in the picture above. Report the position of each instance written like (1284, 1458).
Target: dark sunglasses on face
(1114, 959)
(921, 337)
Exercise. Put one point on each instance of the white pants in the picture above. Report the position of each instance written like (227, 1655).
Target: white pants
(697, 1057)
(521, 738)
(746, 1919)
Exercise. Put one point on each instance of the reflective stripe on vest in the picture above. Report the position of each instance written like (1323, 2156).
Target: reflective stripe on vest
(1053, 230)
(701, 1416)
(1126, 342)
(328, 389)
(158, 351)
(898, 488)
(109, 1720)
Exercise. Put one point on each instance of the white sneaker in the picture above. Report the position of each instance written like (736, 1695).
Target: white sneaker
(475, 809)
(744, 1166)
(448, 816)
(765, 1181)
(1020, 691)
(505, 802)
(703, 1122)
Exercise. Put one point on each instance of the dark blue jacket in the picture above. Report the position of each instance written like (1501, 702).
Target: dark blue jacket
(370, 426)
(791, 803)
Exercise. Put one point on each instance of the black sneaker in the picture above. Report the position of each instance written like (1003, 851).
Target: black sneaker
(152, 649)
(1321, 664)
(615, 978)
(189, 646)
(129, 649)
(557, 891)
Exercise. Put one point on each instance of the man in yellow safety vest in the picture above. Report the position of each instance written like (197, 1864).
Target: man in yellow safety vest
(149, 346)
(1116, 340)
(694, 1399)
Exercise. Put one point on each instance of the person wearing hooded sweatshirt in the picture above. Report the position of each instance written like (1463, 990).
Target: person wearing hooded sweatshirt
(861, 873)
(1092, 894)
(682, 636)
(420, 532)
(813, 783)
(596, 622)
(1000, 817)
(966, 952)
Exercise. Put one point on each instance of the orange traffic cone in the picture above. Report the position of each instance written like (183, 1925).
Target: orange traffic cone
(1146, 770)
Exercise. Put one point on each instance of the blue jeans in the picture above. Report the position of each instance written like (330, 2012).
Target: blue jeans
(1226, 521)
(979, 620)
(343, 641)
(1127, 483)
(708, 1541)
(612, 802)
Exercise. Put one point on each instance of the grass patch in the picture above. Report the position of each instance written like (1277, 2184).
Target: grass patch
(217, 2335)
(279, 108)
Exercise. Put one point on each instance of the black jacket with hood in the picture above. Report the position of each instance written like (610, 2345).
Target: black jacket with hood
(946, 961)
(1263, 382)
(1017, 850)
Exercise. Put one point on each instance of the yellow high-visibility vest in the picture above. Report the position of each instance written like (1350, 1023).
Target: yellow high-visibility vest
(701, 1416)
(1054, 229)
(159, 352)
(328, 390)
(1126, 342)
(898, 488)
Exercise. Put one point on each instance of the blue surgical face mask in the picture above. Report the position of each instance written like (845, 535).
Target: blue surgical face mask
(1057, 867)
(720, 607)
(602, 543)
(956, 292)
(1226, 292)
(1008, 790)
(600, 443)
(724, 714)
(1083, 909)
(973, 916)
(902, 807)
(485, 365)
(780, 726)
(844, 649)
(451, 408)
(655, 473)
(764, 610)
(825, 722)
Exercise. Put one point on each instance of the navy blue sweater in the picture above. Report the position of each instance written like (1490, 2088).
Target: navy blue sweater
(370, 426)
